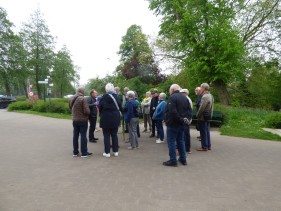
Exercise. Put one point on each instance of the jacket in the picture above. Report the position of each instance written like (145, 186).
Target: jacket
(93, 107)
(129, 110)
(159, 113)
(109, 113)
(79, 107)
(145, 104)
(206, 105)
(178, 108)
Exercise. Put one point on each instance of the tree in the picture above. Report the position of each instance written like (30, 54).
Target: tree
(202, 35)
(63, 73)
(39, 44)
(137, 57)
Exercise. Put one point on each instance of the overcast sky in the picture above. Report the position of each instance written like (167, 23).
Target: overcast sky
(92, 30)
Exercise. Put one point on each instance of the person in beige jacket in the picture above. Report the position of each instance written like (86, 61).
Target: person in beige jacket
(145, 104)
(80, 113)
(204, 115)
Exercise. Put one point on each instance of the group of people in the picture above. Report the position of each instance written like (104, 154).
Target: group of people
(114, 108)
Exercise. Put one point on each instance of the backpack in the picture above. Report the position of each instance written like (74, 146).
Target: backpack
(137, 111)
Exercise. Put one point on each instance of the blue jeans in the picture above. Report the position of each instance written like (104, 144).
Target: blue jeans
(175, 137)
(205, 134)
(160, 130)
(187, 137)
(80, 128)
(107, 132)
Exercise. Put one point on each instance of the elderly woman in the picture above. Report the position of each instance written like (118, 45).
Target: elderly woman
(110, 108)
(159, 115)
(132, 118)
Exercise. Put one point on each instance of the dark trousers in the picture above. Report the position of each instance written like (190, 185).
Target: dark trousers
(205, 134)
(160, 130)
(80, 128)
(93, 121)
(153, 125)
(187, 137)
(107, 133)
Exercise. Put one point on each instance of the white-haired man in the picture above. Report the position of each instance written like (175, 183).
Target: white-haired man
(187, 141)
(177, 114)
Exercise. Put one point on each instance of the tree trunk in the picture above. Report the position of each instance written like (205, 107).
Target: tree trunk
(222, 92)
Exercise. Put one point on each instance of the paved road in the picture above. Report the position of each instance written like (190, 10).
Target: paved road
(38, 172)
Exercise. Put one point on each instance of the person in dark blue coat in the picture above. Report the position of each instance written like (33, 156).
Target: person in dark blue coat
(93, 115)
(110, 119)
(178, 113)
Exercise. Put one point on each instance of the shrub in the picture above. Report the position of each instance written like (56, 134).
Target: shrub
(40, 106)
(59, 107)
(21, 105)
(273, 120)
(21, 98)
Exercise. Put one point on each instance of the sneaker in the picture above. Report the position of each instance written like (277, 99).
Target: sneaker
(75, 155)
(202, 149)
(115, 154)
(106, 155)
(158, 141)
(93, 141)
(87, 155)
(131, 148)
(151, 136)
(188, 152)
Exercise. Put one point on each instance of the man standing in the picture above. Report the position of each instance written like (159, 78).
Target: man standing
(145, 104)
(80, 114)
(123, 101)
(187, 141)
(93, 115)
(178, 113)
(153, 105)
(204, 115)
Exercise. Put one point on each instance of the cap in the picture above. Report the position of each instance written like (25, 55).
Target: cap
(155, 91)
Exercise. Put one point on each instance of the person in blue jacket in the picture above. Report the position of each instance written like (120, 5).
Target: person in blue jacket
(159, 115)
(130, 116)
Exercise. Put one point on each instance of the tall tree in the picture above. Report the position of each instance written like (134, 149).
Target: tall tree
(63, 73)
(39, 44)
(202, 34)
(6, 36)
(137, 57)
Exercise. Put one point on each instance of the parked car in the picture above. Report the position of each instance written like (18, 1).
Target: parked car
(5, 101)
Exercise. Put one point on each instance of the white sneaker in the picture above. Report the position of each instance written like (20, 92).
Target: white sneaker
(158, 141)
(106, 155)
(115, 154)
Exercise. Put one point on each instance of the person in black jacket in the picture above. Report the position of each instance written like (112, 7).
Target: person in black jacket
(93, 115)
(110, 119)
(178, 113)
(153, 105)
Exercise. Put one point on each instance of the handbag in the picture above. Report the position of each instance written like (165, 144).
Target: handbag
(116, 104)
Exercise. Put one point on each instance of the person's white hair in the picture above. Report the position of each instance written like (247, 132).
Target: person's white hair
(184, 91)
(162, 96)
(131, 94)
(205, 86)
(109, 87)
(174, 87)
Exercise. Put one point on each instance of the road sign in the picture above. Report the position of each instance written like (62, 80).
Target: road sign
(42, 82)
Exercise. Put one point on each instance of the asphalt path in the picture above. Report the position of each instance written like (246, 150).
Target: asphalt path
(38, 172)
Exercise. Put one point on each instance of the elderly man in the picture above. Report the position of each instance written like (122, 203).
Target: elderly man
(80, 113)
(93, 115)
(145, 104)
(204, 115)
(187, 141)
(153, 105)
(178, 113)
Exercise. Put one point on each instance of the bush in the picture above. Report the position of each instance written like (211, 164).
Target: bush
(59, 107)
(21, 98)
(21, 105)
(273, 120)
(40, 106)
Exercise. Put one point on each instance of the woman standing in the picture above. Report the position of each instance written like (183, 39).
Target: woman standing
(132, 118)
(110, 108)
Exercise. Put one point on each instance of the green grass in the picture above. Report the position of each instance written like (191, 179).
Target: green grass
(245, 122)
